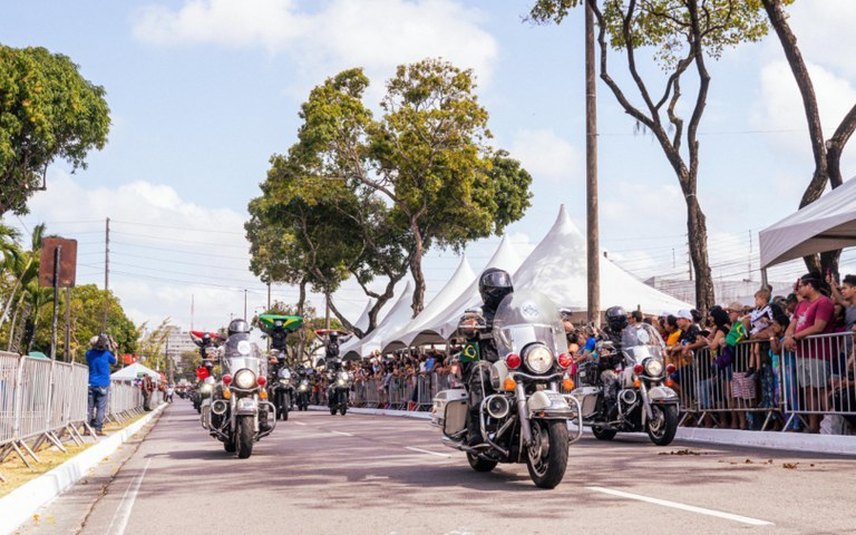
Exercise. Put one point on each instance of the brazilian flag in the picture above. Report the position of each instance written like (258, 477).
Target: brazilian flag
(470, 353)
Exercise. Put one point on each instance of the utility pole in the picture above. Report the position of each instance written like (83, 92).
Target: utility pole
(192, 311)
(245, 304)
(593, 234)
(750, 255)
(68, 324)
(106, 272)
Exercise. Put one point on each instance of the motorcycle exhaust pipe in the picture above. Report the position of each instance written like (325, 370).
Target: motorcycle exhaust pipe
(497, 406)
(219, 407)
(629, 397)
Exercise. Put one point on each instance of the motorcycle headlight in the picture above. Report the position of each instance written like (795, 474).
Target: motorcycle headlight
(539, 359)
(341, 382)
(205, 389)
(303, 387)
(284, 374)
(244, 347)
(653, 367)
(245, 379)
(284, 382)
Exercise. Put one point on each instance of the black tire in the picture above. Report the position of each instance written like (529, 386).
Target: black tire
(548, 469)
(245, 436)
(664, 431)
(283, 406)
(601, 433)
(480, 464)
(343, 409)
(332, 411)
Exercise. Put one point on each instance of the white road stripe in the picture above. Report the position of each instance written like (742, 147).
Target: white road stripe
(420, 450)
(683, 507)
(298, 423)
(123, 513)
(342, 433)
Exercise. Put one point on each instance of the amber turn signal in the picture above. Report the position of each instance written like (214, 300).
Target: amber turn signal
(227, 394)
(509, 384)
(263, 394)
(637, 383)
(568, 384)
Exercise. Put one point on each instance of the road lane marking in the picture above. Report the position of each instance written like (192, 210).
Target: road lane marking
(420, 450)
(298, 423)
(123, 513)
(342, 433)
(683, 507)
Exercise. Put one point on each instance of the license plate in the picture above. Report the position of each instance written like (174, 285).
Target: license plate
(246, 404)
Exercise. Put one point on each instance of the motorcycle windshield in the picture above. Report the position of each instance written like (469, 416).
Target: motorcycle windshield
(642, 341)
(240, 353)
(525, 317)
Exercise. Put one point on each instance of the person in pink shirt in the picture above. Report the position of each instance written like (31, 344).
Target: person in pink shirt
(813, 316)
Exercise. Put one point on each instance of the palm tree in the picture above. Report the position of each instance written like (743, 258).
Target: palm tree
(24, 268)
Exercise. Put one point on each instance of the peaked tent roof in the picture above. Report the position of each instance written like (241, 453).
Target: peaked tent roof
(827, 224)
(557, 268)
(361, 323)
(407, 335)
(129, 373)
(446, 322)
(398, 316)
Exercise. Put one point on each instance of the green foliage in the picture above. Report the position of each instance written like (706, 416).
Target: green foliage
(666, 25)
(47, 111)
(152, 345)
(376, 194)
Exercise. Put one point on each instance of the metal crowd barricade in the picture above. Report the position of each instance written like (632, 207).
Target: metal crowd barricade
(372, 394)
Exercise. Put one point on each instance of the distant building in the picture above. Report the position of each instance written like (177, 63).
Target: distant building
(726, 292)
(178, 342)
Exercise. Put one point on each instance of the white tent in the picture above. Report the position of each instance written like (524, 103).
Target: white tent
(827, 224)
(557, 268)
(446, 322)
(398, 316)
(129, 373)
(362, 323)
(410, 333)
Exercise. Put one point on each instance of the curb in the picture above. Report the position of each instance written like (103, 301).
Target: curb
(774, 440)
(18, 506)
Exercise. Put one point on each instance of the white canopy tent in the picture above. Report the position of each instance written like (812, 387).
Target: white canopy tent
(827, 224)
(410, 334)
(398, 316)
(445, 323)
(129, 373)
(362, 323)
(557, 268)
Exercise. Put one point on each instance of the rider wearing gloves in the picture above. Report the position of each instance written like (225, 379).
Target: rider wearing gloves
(494, 286)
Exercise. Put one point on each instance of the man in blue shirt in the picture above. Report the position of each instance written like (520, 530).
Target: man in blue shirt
(99, 359)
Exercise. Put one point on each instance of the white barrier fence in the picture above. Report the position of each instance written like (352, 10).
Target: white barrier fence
(45, 402)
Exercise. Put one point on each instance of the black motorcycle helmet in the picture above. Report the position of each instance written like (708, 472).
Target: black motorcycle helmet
(494, 285)
(616, 318)
(238, 326)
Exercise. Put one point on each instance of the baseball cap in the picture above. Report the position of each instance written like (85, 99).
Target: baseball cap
(735, 306)
(685, 314)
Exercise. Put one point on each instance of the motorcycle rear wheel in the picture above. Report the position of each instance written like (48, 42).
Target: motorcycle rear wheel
(480, 464)
(602, 433)
(663, 433)
(245, 436)
(547, 458)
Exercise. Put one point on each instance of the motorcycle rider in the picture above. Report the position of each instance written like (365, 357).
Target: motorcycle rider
(616, 322)
(494, 285)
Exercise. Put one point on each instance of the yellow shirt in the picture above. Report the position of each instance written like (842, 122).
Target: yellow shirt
(673, 338)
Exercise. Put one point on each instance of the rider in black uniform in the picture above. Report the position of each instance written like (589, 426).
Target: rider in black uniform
(616, 321)
(494, 286)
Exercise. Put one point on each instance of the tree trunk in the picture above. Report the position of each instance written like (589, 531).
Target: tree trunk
(8, 303)
(416, 271)
(301, 334)
(697, 232)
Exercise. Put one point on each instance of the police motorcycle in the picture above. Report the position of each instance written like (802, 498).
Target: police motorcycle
(207, 342)
(523, 418)
(338, 379)
(304, 389)
(280, 383)
(240, 414)
(639, 397)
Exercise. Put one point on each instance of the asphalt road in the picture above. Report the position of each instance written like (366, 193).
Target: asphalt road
(371, 474)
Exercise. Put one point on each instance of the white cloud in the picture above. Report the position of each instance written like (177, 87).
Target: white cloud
(374, 34)
(546, 155)
(824, 30)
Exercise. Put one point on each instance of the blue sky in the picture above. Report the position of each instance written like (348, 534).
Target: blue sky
(203, 92)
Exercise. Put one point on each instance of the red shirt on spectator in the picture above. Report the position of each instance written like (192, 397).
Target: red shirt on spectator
(805, 315)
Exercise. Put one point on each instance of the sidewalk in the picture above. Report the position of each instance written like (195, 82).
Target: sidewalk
(801, 442)
(19, 505)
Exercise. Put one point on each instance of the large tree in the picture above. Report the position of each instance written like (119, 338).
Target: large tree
(826, 152)
(680, 35)
(425, 164)
(47, 111)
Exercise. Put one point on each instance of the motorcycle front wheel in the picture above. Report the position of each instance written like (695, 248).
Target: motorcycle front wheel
(343, 409)
(547, 457)
(245, 436)
(480, 464)
(664, 424)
